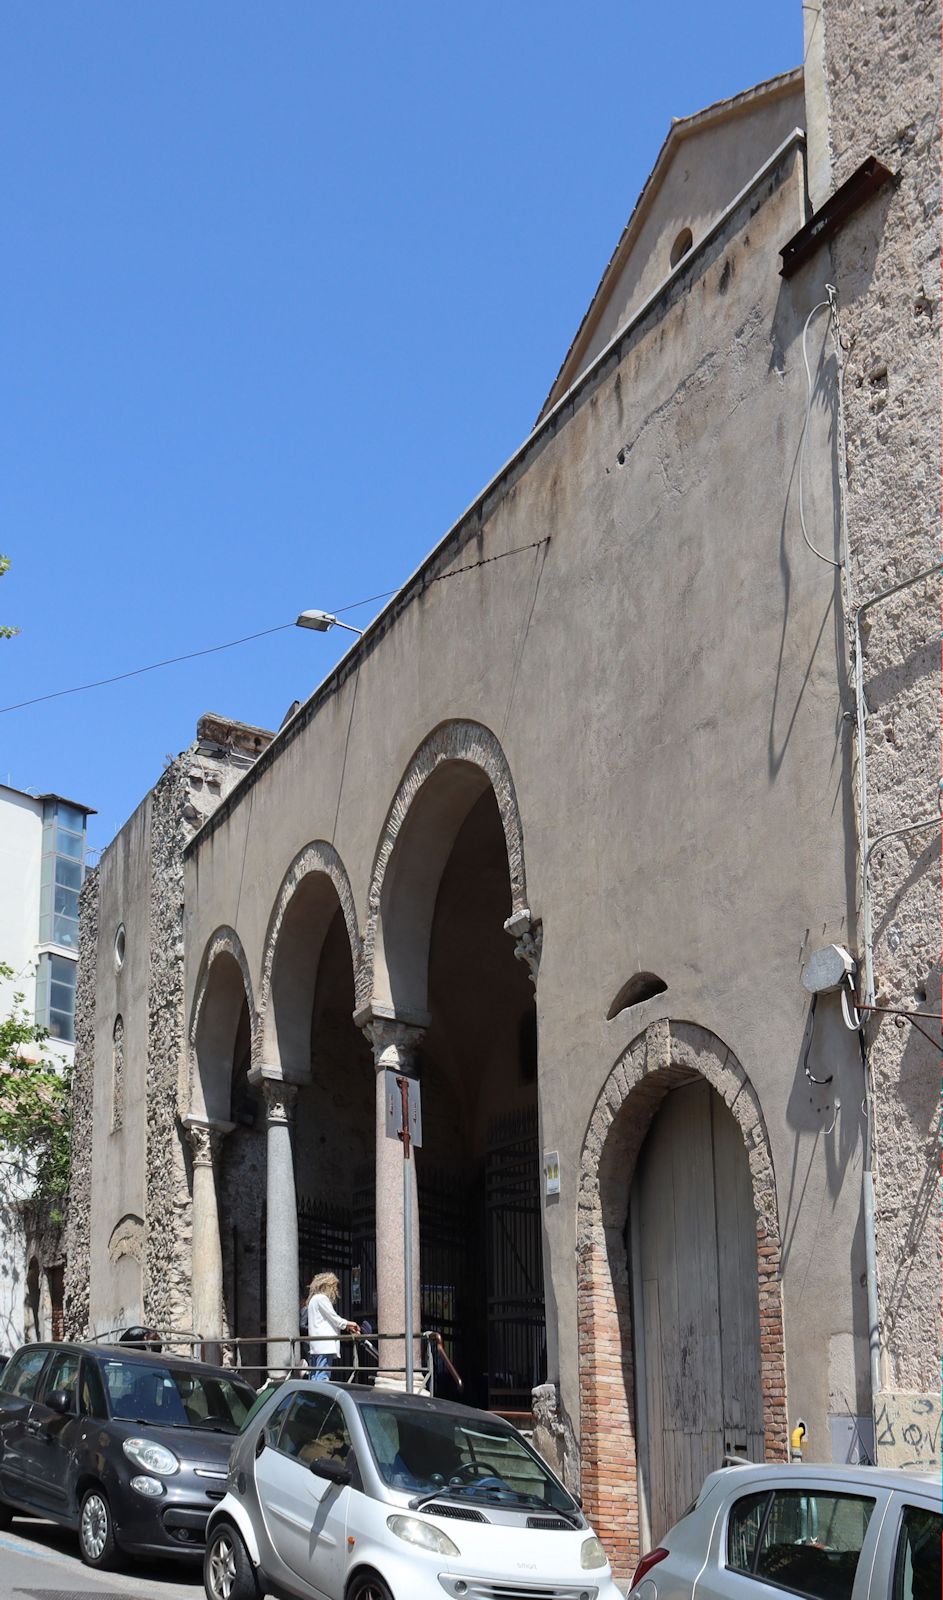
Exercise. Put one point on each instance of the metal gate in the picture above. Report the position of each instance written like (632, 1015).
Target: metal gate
(517, 1348)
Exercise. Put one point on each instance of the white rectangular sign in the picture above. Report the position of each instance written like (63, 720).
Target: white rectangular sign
(394, 1108)
(551, 1172)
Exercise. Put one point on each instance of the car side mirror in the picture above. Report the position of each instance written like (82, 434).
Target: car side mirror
(60, 1401)
(333, 1471)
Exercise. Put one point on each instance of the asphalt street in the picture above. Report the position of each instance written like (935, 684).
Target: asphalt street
(39, 1561)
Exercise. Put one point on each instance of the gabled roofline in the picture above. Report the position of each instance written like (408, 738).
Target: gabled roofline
(471, 519)
(681, 128)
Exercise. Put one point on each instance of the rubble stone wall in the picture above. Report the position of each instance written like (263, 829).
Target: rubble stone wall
(79, 1214)
(882, 97)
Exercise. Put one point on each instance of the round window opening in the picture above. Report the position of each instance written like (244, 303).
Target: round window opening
(119, 947)
(681, 245)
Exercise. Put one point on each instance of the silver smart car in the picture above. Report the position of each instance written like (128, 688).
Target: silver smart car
(342, 1492)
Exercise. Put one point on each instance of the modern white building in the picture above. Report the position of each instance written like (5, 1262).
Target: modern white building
(42, 864)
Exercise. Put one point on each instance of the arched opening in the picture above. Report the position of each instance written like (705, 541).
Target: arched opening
(683, 243)
(640, 987)
(695, 1313)
(442, 950)
(336, 1133)
(242, 1191)
(222, 1008)
(309, 1039)
(678, 1284)
(228, 1172)
(33, 1310)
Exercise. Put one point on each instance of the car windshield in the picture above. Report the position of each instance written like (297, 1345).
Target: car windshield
(172, 1397)
(461, 1457)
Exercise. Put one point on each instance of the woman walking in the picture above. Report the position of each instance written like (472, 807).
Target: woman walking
(324, 1325)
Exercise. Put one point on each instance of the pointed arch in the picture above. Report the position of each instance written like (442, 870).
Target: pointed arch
(450, 771)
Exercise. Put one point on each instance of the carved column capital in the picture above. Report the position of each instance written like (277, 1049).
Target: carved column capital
(206, 1140)
(528, 935)
(280, 1099)
(395, 1044)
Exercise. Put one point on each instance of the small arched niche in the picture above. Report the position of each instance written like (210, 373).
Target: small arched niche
(640, 987)
(683, 243)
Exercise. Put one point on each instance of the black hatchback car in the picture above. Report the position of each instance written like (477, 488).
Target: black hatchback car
(128, 1447)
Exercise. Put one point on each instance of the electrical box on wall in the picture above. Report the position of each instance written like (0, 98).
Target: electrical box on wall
(828, 969)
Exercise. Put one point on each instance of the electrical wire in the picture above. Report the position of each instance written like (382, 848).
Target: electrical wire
(805, 1059)
(281, 627)
(99, 683)
(829, 306)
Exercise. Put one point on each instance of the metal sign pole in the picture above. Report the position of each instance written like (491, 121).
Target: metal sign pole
(403, 1085)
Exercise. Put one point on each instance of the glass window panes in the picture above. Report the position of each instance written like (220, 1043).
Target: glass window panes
(70, 844)
(63, 971)
(92, 1391)
(62, 1026)
(63, 1374)
(55, 994)
(65, 931)
(70, 817)
(273, 1426)
(66, 902)
(61, 998)
(743, 1530)
(303, 1425)
(811, 1542)
(918, 1564)
(68, 873)
(21, 1374)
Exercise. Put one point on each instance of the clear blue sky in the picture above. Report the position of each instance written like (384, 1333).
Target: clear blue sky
(285, 283)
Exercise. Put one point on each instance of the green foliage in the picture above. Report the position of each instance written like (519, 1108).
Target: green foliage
(6, 633)
(35, 1106)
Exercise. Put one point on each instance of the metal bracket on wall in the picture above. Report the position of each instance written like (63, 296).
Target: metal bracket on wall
(865, 181)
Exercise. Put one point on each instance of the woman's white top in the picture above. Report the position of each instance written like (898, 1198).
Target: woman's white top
(324, 1325)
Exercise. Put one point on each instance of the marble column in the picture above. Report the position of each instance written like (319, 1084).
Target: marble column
(394, 1049)
(281, 1224)
(206, 1249)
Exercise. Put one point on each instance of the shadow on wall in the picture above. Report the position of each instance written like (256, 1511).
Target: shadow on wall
(830, 1110)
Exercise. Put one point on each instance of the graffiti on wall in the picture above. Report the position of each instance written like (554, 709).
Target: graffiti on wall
(907, 1429)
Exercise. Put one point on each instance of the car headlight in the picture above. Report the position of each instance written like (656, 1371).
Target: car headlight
(149, 1487)
(592, 1554)
(152, 1457)
(423, 1534)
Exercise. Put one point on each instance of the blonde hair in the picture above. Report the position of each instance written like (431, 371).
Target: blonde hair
(325, 1283)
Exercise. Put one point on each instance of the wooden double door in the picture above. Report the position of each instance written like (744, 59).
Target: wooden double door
(692, 1242)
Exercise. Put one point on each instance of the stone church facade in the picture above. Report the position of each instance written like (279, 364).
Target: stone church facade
(560, 835)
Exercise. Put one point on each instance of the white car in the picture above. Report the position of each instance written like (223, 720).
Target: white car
(822, 1532)
(337, 1492)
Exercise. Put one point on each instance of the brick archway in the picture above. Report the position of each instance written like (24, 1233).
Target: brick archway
(666, 1055)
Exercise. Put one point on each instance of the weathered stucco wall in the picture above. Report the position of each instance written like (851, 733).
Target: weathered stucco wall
(880, 95)
(666, 680)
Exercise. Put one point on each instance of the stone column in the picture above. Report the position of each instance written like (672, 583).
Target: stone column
(207, 1256)
(281, 1223)
(394, 1049)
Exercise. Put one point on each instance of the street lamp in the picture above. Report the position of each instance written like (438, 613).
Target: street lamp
(322, 622)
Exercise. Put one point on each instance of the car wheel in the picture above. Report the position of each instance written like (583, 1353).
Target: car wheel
(228, 1573)
(367, 1586)
(97, 1544)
